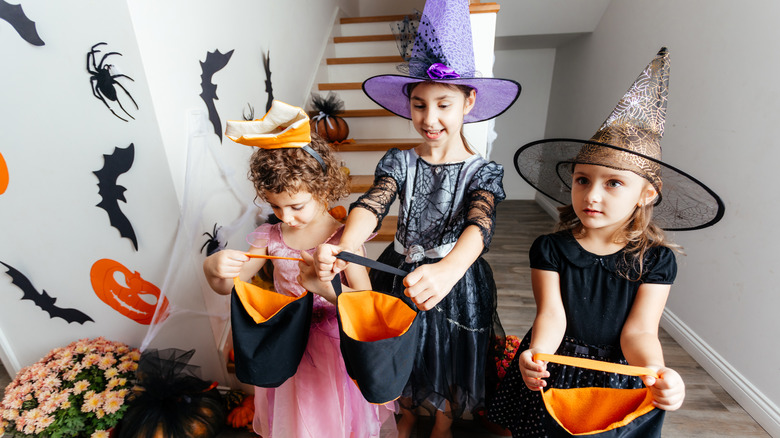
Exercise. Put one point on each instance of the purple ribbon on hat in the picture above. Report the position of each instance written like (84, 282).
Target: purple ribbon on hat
(442, 71)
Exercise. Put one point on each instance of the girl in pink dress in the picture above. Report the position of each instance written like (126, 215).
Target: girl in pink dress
(299, 182)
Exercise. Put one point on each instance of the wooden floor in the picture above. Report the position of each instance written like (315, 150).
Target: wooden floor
(708, 410)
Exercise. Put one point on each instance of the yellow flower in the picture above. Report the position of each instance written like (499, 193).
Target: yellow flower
(92, 402)
(80, 386)
(100, 434)
(113, 403)
(111, 372)
(42, 423)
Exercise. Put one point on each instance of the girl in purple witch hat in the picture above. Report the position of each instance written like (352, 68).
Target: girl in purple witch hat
(448, 198)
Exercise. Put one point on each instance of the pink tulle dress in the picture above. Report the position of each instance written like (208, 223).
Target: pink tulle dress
(320, 400)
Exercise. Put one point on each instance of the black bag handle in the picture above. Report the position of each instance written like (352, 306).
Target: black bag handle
(363, 261)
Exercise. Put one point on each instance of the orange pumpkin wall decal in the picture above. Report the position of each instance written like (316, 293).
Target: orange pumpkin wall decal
(3, 175)
(135, 299)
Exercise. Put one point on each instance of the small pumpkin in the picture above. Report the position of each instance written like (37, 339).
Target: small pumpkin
(137, 299)
(327, 123)
(3, 175)
(339, 213)
(241, 415)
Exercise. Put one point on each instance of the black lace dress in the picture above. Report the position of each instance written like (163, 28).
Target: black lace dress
(458, 335)
(597, 300)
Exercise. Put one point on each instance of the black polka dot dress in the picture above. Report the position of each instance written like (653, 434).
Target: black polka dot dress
(597, 299)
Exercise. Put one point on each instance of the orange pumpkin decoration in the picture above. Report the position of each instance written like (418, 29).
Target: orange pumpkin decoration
(137, 300)
(327, 124)
(3, 175)
(241, 415)
(339, 213)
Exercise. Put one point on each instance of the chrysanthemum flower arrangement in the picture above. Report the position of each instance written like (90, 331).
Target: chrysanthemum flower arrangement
(75, 391)
(505, 357)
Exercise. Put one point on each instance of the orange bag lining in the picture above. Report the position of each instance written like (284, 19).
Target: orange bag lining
(261, 304)
(588, 411)
(369, 316)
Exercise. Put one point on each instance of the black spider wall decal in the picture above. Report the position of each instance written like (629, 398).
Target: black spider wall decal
(105, 83)
(213, 244)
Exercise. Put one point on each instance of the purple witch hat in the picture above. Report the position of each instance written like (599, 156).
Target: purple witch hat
(442, 51)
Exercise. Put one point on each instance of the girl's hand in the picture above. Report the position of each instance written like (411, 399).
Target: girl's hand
(325, 263)
(429, 284)
(309, 280)
(225, 264)
(533, 371)
(668, 389)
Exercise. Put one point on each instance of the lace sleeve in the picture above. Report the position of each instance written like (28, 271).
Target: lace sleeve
(486, 190)
(378, 198)
(482, 213)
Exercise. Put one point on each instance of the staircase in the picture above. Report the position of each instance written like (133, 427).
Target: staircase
(364, 47)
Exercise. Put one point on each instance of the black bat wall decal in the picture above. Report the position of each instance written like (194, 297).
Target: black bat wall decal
(23, 25)
(268, 88)
(43, 300)
(110, 193)
(214, 62)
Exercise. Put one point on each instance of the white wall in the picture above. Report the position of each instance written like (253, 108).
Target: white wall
(525, 120)
(545, 17)
(54, 134)
(370, 8)
(722, 128)
(174, 35)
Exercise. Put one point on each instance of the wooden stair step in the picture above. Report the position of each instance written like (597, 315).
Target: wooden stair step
(363, 38)
(340, 86)
(374, 145)
(365, 60)
(375, 19)
(374, 112)
(474, 8)
(360, 183)
(387, 232)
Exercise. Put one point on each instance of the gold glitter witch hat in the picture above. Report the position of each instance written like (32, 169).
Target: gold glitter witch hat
(629, 139)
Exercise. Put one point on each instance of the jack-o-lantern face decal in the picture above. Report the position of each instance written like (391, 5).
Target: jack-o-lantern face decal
(132, 296)
(3, 175)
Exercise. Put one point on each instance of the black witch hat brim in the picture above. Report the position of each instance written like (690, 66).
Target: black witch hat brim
(685, 202)
(494, 95)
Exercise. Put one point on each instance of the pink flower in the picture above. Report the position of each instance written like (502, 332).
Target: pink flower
(111, 372)
(90, 360)
(80, 386)
(92, 402)
(42, 392)
(100, 433)
(43, 423)
(106, 362)
(113, 403)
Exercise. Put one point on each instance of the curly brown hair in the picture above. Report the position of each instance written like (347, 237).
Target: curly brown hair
(294, 170)
(640, 234)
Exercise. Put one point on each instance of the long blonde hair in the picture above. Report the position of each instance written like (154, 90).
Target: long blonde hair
(640, 233)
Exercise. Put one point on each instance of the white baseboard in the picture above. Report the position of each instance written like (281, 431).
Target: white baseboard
(7, 357)
(755, 403)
